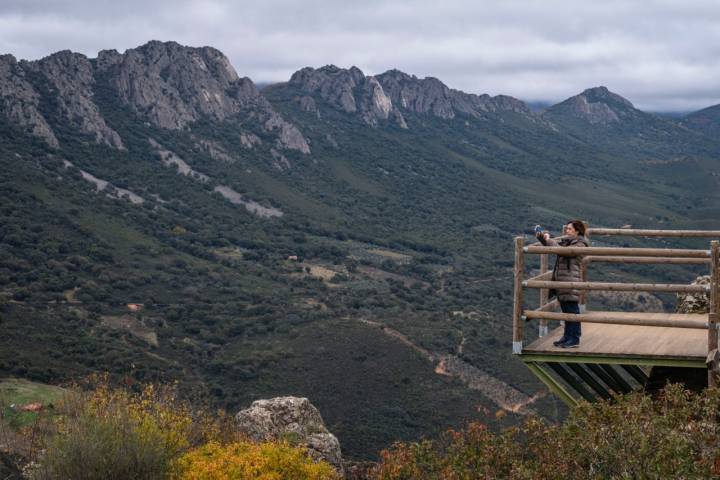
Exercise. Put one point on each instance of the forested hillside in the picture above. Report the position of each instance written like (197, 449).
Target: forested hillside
(337, 236)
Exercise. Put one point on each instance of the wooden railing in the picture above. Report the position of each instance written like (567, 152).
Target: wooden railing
(544, 282)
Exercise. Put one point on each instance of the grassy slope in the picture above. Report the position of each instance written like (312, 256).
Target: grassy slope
(16, 393)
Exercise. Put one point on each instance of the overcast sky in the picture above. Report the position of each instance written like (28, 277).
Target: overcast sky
(661, 55)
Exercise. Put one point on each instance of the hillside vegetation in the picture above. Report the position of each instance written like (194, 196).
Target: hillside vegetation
(332, 237)
(672, 436)
(150, 433)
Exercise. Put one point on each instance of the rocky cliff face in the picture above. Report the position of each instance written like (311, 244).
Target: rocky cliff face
(173, 86)
(165, 83)
(19, 101)
(431, 96)
(348, 90)
(389, 95)
(71, 79)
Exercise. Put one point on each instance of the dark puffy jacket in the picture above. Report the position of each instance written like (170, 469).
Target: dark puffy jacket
(567, 269)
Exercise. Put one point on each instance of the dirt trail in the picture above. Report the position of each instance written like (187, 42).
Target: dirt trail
(503, 395)
(395, 334)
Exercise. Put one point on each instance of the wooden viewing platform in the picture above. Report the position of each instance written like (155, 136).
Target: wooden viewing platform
(619, 351)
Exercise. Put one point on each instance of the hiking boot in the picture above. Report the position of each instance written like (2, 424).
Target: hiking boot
(562, 340)
(573, 342)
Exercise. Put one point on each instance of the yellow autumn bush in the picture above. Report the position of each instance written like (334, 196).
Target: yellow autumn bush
(250, 461)
(113, 433)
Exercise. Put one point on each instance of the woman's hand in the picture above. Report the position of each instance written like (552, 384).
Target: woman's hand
(541, 233)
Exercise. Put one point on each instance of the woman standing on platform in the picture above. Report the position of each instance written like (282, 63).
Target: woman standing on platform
(567, 269)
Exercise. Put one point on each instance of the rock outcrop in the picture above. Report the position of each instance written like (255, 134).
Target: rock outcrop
(169, 85)
(173, 86)
(389, 95)
(694, 302)
(19, 101)
(71, 81)
(291, 418)
(348, 90)
(431, 96)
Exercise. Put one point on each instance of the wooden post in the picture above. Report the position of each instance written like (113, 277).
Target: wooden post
(518, 296)
(543, 329)
(583, 293)
(713, 312)
(582, 304)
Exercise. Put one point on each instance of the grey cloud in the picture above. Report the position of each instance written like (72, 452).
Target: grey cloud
(662, 55)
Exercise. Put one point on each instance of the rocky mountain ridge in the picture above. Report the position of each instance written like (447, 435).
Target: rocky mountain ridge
(172, 87)
(430, 95)
(168, 85)
(388, 95)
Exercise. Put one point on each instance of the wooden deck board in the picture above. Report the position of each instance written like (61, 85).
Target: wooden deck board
(628, 340)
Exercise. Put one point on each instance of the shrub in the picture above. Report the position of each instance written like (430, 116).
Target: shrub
(113, 434)
(249, 461)
(675, 435)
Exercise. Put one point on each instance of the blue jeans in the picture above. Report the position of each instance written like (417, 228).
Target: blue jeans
(572, 329)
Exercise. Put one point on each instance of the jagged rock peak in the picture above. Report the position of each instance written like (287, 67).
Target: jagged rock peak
(164, 82)
(348, 90)
(393, 93)
(174, 85)
(596, 105)
(334, 84)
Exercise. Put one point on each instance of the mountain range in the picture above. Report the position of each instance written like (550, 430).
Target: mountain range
(340, 236)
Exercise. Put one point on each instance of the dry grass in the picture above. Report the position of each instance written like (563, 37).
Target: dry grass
(315, 270)
(132, 325)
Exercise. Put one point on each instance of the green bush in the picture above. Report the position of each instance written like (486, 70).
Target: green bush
(675, 435)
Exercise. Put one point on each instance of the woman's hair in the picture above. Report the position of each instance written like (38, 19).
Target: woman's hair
(579, 226)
